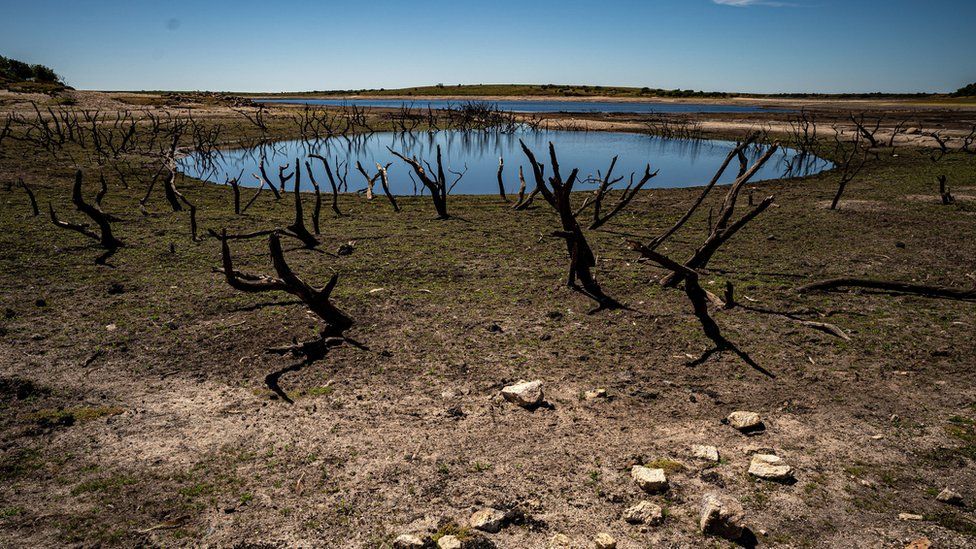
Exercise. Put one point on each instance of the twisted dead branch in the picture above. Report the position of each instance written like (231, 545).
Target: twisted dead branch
(104, 236)
(30, 195)
(317, 300)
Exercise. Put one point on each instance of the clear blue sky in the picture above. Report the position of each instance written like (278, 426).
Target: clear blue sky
(293, 45)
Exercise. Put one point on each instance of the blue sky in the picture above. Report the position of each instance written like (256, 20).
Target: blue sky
(293, 45)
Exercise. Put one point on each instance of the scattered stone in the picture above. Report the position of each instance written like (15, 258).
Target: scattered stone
(449, 542)
(111, 327)
(910, 516)
(649, 480)
(949, 496)
(644, 512)
(722, 516)
(920, 543)
(595, 394)
(746, 422)
(527, 394)
(408, 541)
(770, 467)
(604, 540)
(560, 541)
(488, 520)
(707, 453)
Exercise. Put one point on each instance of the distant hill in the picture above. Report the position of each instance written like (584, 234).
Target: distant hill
(528, 90)
(23, 77)
(561, 90)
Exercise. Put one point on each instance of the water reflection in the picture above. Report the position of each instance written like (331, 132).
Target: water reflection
(682, 162)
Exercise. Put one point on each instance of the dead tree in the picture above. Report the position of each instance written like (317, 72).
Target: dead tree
(332, 183)
(318, 198)
(969, 140)
(283, 178)
(267, 182)
(866, 131)
(944, 194)
(104, 237)
(370, 180)
(581, 258)
(385, 183)
(298, 229)
(803, 133)
(724, 229)
(524, 201)
(501, 182)
(316, 299)
(173, 195)
(606, 185)
(437, 185)
(193, 217)
(896, 131)
(851, 159)
(30, 195)
(235, 185)
(699, 300)
(257, 119)
(738, 151)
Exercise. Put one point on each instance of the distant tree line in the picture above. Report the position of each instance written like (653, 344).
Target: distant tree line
(12, 70)
(966, 91)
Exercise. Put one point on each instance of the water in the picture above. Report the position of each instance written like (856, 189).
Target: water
(630, 107)
(682, 163)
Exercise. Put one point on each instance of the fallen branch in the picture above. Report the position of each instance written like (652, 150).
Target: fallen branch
(896, 287)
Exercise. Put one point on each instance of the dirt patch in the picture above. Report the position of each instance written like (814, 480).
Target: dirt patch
(938, 200)
(856, 205)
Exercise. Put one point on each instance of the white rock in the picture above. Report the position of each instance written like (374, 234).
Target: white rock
(770, 467)
(560, 541)
(745, 421)
(949, 496)
(644, 512)
(604, 540)
(408, 541)
(488, 520)
(526, 394)
(649, 480)
(910, 516)
(595, 394)
(449, 542)
(708, 453)
(721, 516)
